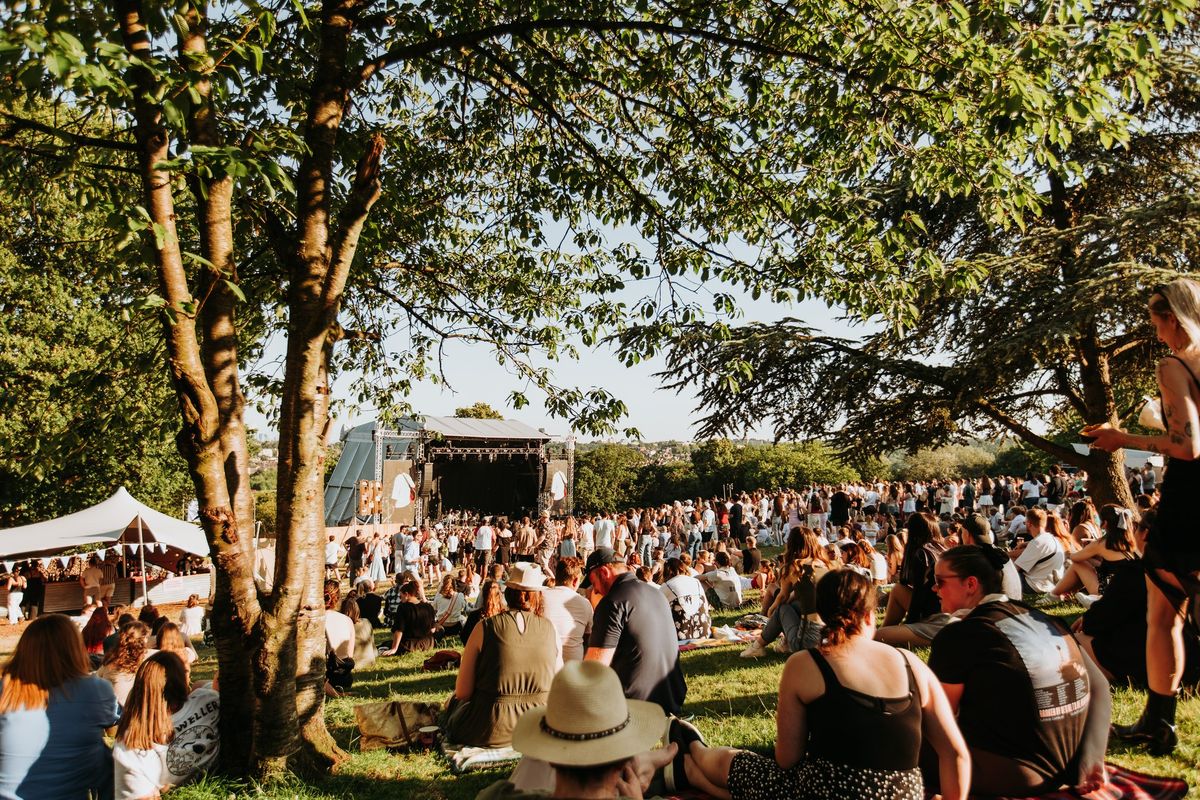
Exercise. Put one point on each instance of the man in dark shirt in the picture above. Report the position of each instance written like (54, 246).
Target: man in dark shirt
(354, 554)
(634, 633)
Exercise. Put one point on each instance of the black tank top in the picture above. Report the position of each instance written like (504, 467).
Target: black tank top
(1174, 530)
(849, 727)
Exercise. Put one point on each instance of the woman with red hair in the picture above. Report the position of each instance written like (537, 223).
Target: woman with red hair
(52, 717)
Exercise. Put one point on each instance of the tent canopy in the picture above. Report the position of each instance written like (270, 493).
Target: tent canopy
(112, 521)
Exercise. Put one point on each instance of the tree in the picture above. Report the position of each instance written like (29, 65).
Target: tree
(478, 411)
(1049, 320)
(606, 478)
(950, 461)
(84, 408)
(356, 172)
(665, 482)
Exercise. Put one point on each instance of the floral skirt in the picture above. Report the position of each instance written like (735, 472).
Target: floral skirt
(753, 777)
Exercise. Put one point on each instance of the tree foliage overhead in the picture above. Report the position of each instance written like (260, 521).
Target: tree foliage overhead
(84, 405)
(1053, 324)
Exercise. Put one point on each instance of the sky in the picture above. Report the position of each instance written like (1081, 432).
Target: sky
(474, 376)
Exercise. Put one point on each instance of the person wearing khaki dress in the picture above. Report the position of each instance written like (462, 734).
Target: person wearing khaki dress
(508, 664)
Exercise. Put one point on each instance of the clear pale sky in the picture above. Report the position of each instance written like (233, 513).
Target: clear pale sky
(474, 376)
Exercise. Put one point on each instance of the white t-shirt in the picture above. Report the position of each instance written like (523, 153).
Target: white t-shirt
(1042, 562)
(452, 543)
(456, 605)
(1031, 490)
(879, 567)
(571, 615)
(331, 552)
(191, 621)
(726, 584)
(585, 536)
(1011, 580)
(339, 634)
(140, 773)
(603, 531)
(483, 538)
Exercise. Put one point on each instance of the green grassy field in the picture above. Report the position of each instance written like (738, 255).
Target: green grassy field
(733, 700)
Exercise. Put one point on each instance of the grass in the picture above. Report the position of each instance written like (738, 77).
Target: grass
(733, 700)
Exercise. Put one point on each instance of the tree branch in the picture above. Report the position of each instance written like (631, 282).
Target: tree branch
(19, 124)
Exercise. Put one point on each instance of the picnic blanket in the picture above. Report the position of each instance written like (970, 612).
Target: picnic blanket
(465, 759)
(1123, 784)
(724, 636)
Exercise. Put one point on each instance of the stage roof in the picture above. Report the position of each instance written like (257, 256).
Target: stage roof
(468, 428)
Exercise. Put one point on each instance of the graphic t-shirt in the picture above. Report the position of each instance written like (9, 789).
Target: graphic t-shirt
(689, 609)
(139, 773)
(1025, 687)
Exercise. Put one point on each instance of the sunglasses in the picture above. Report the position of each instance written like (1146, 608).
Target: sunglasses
(940, 581)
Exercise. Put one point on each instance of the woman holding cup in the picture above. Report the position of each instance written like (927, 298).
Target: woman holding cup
(1172, 555)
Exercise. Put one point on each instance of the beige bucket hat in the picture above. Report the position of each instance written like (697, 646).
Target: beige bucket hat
(588, 721)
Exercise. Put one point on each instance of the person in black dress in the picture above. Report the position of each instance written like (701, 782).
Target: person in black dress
(1172, 555)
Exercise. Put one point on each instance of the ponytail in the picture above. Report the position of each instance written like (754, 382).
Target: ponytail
(845, 599)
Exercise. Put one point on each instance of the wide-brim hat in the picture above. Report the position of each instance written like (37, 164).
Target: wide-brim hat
(525, 575)
(587, 720)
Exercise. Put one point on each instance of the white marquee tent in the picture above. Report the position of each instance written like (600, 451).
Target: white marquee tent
(119, 519)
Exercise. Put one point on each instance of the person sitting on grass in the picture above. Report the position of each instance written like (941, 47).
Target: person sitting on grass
(914, 614)
(121, 664)
(723, 584)
(449, 608)
(507, 665)
(53, 715)
(793, 613)
(1032, 707)
(1040, 559)
(1095, 564)
(491, 603)
(167, 735)
(598, 743)
(689, 606)
(411, 619)
(364, 635)
(852, 716)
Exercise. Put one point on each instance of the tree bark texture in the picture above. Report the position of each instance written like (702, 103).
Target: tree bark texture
(270, 646)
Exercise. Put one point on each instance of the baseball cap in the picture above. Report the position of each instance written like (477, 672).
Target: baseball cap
(598, 558)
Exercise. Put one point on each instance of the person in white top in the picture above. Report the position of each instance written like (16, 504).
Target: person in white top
(483, 545)
(724, 582)
(191, 618)
(587, 540)
(568, 611)
(977, 530)
(1040, 560)
(603, 532)
(166, 736)
(452, 546)
(332, 556)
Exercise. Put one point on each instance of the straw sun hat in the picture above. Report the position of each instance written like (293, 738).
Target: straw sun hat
(525, 575)
(588, 721)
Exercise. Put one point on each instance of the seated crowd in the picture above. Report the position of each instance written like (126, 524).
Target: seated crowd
(55, 710)
(572, 657)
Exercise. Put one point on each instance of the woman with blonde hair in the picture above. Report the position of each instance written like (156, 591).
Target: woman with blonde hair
(449, 608)
(172, 640)
(191, 618)
(52, 717)
(1172, 554)
(166, 735)
(122, 662)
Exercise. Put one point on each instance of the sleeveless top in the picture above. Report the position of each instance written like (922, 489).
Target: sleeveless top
(1173, 532)
(512, 675)
(846, 726)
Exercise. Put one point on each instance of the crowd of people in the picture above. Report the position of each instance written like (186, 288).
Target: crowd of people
(72, 680)
(571, 630)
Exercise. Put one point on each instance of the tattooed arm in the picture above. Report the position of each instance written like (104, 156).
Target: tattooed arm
(1182, 439)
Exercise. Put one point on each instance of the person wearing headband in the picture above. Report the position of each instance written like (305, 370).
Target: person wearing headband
(1172, 554)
